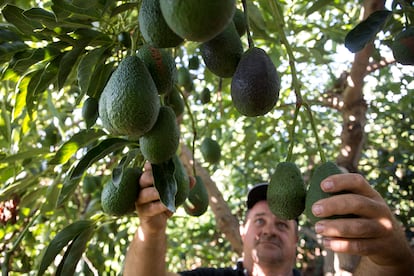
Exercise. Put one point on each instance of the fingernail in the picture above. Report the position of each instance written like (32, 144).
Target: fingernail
(319, 227)
(327, 185)
(317, 209)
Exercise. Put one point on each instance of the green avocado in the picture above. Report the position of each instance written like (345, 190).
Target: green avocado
(197, 203)
(286, 192)
(222, 54)
(119, 200)
(255, 85)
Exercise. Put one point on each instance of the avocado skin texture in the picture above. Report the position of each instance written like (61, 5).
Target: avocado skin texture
(198, 20)
(222, 54)
(315, 193)
(174, 100)
(160, 143)
(286, 192)
(198, 199)
(255, 85)
(120, 200)
(153, 27)
(210, 150)
(129, 103)
(161, 66)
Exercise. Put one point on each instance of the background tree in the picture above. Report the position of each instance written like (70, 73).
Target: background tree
(355, 109)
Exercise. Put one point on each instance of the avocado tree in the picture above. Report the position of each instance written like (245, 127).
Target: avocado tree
(344, 94)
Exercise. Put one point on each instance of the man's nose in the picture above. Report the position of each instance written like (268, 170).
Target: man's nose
(269, 229)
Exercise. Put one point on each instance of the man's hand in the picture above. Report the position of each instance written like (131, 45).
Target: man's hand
(375, 233)
(152, 213)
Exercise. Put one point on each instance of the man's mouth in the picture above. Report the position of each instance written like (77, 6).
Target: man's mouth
(269, 243)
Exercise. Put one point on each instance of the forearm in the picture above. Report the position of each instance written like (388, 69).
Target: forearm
(367, 267)
(146, 255)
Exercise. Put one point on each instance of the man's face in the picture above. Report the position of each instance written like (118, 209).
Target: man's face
(268, 239)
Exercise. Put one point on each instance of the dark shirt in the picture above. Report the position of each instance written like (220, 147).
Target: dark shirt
(237, 271)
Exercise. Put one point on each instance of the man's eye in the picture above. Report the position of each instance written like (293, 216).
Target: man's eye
(259, 221)
(281, 226)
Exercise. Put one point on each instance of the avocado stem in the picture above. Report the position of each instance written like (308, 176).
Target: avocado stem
(193, 126)
(296, 85)
(280, 22)
(246, 22)
(292, 134)
(315, 132)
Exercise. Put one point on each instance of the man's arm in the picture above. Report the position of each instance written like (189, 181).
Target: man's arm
(146, 253)
(375, 234)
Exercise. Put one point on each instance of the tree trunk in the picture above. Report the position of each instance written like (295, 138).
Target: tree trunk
(354, 118)
(227, 223)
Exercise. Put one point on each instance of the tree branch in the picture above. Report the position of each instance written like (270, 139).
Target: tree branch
(227, 223)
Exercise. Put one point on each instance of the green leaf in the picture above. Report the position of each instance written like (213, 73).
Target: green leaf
(165, 183)
(14, 15)
(38, 83)
(77, 141)
(366, 30)
(7, 35)
(62, 239)
(69, 187)
(8, 49)
(122, 8)
(5, 124)
(100, 78)
(52, 196)
(104, 148)
(87, 67)
(40, 14)
(317, 5)
(64, 9)
(18, 187)
(74, 252)
(31, 153)
(68, 61)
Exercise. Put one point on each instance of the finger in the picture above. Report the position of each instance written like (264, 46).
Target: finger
(361, 247)
(354, 228)
(147, 166)
(343, 204)
(146, 179)
(150, 209)
(147, 195)
(350, 182)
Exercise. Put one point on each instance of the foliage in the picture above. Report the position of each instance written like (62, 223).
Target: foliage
(55, 54)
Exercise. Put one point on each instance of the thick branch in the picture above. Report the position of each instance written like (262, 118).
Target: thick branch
(354, 120)
(355, 107)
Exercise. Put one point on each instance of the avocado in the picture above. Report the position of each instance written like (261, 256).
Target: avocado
(153, 27)
(160, 143)
(210, 150)
(119, 199)
(197, 203)
(403, 46)
(255, 85)
(129, 103)
(222, 53)
(161, 66)
(183, 182)
(198, 20)
(315, 193)
(286, 192)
